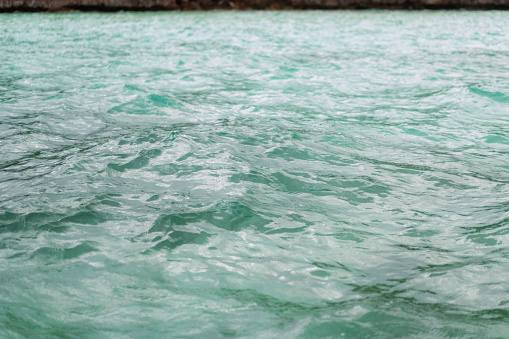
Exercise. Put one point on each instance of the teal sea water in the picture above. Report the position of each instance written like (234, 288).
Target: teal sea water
(254, 175)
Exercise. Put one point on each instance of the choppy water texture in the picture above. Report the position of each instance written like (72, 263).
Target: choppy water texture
(254, 174)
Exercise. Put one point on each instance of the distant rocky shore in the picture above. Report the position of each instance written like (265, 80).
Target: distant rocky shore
(185, 5)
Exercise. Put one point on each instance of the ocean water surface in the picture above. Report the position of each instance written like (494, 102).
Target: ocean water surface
(254, 174)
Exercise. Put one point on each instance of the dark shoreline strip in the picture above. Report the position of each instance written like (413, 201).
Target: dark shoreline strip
(190, 5)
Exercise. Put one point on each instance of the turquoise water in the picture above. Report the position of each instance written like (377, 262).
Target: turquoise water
(254, 174)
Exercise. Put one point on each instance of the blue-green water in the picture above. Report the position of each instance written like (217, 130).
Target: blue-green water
(254, 174)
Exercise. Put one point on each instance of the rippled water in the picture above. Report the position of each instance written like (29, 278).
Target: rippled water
(254, 174)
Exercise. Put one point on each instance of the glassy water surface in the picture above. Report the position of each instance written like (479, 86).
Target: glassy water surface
(254, 174)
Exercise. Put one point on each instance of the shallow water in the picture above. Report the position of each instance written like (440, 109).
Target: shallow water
(254, 174)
